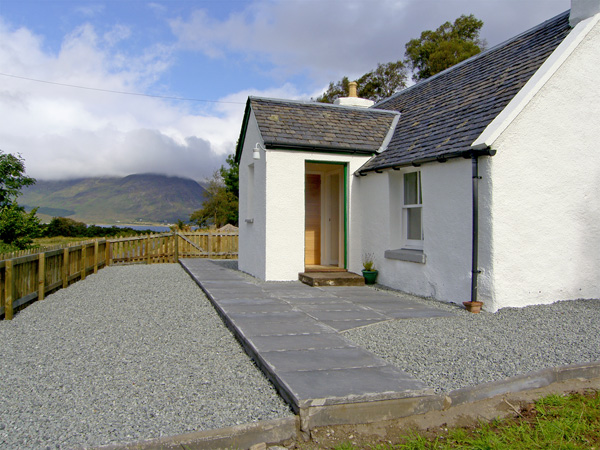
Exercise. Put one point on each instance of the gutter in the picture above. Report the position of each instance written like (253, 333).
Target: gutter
(318, 148)
(439, 158)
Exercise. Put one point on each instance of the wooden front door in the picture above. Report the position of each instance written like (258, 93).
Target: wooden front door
(312, 234)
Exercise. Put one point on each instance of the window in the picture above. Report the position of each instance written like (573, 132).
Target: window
(412, 208)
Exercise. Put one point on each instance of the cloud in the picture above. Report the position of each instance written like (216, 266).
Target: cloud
(330, 39)
(65, 132)
(90, 10)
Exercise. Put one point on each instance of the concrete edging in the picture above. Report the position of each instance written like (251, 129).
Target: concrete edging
(369, 412)
(236, 437)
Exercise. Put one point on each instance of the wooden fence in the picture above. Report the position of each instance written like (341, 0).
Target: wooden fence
(29, 277)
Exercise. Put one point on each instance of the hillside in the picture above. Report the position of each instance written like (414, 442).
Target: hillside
(135, 198)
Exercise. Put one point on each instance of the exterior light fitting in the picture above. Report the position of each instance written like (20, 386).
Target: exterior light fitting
(256, 151)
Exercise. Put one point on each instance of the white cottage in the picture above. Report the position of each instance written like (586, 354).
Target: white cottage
(479, 183)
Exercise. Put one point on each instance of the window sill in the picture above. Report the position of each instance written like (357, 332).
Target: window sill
(405, 254)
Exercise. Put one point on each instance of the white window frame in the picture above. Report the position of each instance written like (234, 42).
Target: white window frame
(406, 242)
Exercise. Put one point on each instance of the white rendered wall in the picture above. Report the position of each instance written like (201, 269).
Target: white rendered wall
(545, 199)
(252, 256)
(446, 191)
(285, 210)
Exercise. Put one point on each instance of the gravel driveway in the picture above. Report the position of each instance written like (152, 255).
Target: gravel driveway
(449, 353)
(132, 353)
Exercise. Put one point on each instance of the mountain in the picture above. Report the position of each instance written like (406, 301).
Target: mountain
(134, 198)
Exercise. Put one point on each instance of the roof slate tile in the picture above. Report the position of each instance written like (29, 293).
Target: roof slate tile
(460, 102)
(321, 125)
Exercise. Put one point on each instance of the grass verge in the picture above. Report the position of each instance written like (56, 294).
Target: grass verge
(569, 421)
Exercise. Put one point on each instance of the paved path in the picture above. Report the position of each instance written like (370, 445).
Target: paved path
(292, 332)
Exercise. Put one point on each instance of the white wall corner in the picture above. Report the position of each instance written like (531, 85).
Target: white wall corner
(535, 83)
(583, 9)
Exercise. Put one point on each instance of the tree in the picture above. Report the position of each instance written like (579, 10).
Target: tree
(375, 85)
(12, 178)
(383, 82)
(450, 44)
(231, 177)
(63, 226)
(220, 206)
(17, 227)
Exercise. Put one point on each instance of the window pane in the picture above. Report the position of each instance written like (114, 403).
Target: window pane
(411, 187)
(414, 224)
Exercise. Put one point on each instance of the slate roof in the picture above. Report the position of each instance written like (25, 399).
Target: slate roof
(442, 116)
(286, 124)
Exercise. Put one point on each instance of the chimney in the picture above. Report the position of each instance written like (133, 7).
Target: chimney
(583, 9)
(353, 99)
(352, 89)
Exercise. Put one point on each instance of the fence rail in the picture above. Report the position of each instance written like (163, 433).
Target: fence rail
(28, 277)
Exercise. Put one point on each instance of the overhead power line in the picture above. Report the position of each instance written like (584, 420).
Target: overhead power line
(167, 97)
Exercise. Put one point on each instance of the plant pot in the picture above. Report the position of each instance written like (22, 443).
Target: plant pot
(474, 307)
(370, 276)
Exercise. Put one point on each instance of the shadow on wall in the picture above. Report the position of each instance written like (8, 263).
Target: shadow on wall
(588, 254)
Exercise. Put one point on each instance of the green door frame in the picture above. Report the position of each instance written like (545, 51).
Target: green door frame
(345, 171)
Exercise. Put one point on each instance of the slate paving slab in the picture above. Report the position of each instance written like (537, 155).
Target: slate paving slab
(321, 359)
(292, 330)
(368, 314)
(363, 384)
(299, 342)
(344, 325)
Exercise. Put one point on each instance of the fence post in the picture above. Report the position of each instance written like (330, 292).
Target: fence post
(147, 249)
(176, 249)
(83, 251)
(41, 276)
(209, 245)
(9, 290)
(95, 255)
(65, 267)
(107, 260)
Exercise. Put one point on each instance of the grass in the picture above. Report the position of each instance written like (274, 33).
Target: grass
(57, 240)
(569, 422)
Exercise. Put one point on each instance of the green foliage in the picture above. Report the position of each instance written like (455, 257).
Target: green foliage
(12, 178)
(450, 44)
(18, 227)
(231, 176)
(376, 85)
(369, 261)
(383, 82)
(220, 205)
(335, 91)
(62, 226)
(65, 227)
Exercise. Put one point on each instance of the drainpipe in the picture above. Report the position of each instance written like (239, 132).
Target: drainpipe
(475, 238)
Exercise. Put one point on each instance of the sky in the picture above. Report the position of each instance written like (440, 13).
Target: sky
(191, 65)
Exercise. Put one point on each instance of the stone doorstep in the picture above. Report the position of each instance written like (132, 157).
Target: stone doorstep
(331, 279)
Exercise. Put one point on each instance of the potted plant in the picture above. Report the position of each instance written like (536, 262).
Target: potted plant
(369, 272)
